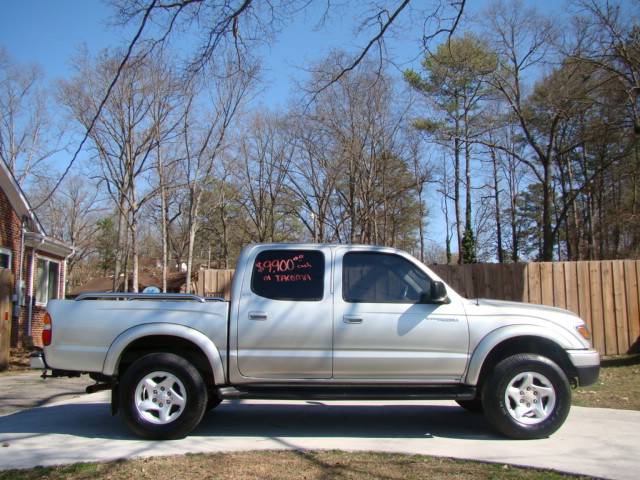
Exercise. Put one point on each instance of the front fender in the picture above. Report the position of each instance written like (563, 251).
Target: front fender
(490, 341)
(205, 344)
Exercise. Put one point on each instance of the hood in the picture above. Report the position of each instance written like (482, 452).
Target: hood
(558, 316)
(541, 310)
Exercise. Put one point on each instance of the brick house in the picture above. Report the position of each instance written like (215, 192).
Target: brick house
(37, 261)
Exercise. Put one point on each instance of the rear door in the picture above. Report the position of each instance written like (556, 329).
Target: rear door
(285, 315)
(387, 328)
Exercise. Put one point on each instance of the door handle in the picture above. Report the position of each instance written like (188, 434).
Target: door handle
(352, 319)
(257, 316)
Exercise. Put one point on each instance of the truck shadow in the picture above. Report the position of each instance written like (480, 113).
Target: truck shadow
(326, 419)
(241, 419)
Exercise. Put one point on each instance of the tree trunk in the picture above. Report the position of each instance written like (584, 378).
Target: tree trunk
(468, 227)
(120, 249)
(134, 255)
(456, 195)
(193, 226)
(496, 196)
(163, 221)
(134, 239)
(547, 209)
(421, 222)
(576, 236)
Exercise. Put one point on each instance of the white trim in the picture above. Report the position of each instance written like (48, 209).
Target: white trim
(49, 245)
(30, 290)
(47, 257)
(49, 260)
(62, 282)
(33, 257)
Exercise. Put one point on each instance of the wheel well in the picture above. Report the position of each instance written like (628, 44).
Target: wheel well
(527, 344)
(168, 344)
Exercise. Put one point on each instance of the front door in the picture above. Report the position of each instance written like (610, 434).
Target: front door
(386, 328)
(285, 318)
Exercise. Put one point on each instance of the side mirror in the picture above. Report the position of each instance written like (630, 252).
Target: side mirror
(438, 292)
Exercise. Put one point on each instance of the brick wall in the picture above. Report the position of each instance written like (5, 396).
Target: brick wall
(10, 231)
(10, 225)
(37, 311)
(19, 335)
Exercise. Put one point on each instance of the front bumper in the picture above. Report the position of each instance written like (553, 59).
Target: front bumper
(587, 365)
(588, 375)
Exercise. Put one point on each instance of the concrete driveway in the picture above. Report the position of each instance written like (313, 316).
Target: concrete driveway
(25, 390)
(597, 442)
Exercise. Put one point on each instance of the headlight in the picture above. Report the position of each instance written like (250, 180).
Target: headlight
(584, 332)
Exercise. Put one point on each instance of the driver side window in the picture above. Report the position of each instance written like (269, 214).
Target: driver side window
(370, 277)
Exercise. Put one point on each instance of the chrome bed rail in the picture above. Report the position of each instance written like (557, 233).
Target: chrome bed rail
(146, 296)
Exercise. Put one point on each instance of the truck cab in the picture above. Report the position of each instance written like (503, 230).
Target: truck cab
(362, 314)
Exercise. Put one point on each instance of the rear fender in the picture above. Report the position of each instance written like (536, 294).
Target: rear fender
(205, 344)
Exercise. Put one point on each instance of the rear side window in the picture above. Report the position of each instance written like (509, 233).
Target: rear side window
(289, 275)
(369, 277)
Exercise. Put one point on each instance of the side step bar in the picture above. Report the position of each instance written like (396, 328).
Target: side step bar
(368, 392)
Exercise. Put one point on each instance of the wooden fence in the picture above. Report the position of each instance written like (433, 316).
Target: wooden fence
(214, 283)
(604, 293)
(6, 289)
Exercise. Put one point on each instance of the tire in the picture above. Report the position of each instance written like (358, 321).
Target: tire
(526, 396)
(154, 382)
(473, 406)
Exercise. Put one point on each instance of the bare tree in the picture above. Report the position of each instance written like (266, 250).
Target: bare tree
(240, 26)
(363, 122)
(421, 169)
(522, 39)
(313, 173)
(608, 38)
(264, 156)
(71, 215)
(28, 136)
(205, 141)
(124, 138)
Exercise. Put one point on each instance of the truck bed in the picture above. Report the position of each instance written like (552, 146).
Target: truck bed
(84, 343)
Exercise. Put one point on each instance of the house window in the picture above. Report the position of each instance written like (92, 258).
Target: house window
(47, 280)
(5, 258)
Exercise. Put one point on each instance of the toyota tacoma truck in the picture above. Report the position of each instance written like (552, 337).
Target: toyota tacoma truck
(330, 322)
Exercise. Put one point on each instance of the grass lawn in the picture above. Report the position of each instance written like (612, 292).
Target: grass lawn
(286, 465)
(617, 387)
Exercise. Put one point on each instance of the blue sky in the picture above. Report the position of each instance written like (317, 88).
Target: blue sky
(49, 32)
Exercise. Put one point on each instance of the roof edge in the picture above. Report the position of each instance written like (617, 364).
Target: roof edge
(16, 196)
(46, 244)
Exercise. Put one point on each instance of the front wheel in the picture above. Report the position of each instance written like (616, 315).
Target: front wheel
(526, 396)
(162, 396)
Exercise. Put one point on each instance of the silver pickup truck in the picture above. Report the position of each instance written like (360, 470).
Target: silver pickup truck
(321, 322)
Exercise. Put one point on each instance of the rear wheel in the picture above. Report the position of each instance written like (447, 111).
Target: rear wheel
(526, 396)
(162, 396)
